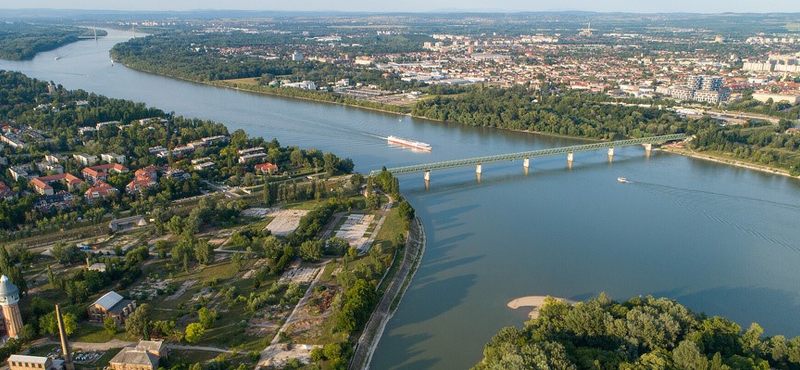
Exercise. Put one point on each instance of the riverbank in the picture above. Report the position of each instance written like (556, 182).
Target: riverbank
(724, 160)
(373, 330)
(674, 150)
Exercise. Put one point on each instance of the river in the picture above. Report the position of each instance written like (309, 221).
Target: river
(719, 239)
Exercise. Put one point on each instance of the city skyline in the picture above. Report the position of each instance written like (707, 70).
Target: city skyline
(628, 6)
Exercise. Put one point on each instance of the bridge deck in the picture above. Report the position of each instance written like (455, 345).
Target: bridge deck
(529, 154)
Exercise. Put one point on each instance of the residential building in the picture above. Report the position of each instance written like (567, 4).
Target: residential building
(6, 193)
(111, 305)
(113, 158)
(108, 123)
(251, 151)
(204, 166)
(249, 157)
(42, 184)
(18, 172)
(143, 179)
(97, 173)
(156, 150)
(266, 168)
(50, 167)
(55, 158)
(216, 139)
(85, 159)
(176, 173)
(100, 190)
(12, 140)
(86, 130)
(61, 200)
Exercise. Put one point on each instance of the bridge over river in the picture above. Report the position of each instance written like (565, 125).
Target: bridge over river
(526, 156)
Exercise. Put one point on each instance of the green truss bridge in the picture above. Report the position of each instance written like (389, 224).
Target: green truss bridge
(526, 156)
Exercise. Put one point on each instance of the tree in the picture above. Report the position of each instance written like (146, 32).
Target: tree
(358, 303)
(373, 201)
(406, 211)
(238, 260)
(194, 332)
(330, 163)
(51, 277)
(138, 323)
(311, 250)
(203, 252)
(207, 317)
(687, 356)
(110, 325)
(336, 246)
(66, 255)
(175, 225)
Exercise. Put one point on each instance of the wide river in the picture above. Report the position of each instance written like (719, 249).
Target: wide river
(719, 239)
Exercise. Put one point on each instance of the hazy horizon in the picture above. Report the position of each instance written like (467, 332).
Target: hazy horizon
(626, 6)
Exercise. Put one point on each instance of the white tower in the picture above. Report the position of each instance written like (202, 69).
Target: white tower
(9, 301)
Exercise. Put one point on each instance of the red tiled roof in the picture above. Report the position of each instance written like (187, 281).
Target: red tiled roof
(101, 188)
(266, 166)
(41, 182)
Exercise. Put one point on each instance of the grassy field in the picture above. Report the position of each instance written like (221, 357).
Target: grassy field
(97, 334)
(243, 81)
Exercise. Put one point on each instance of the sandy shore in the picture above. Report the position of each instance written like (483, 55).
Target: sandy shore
(535, 301)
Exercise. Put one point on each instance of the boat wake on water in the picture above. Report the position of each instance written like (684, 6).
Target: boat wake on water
(694, 200)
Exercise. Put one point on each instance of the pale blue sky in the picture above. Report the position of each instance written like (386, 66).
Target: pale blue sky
(649, 6)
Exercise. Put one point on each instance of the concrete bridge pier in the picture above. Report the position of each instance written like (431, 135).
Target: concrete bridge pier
(427, 178)
(569, 159)
(647, 149)
(526, 164)
(479, 169)
(610, 155)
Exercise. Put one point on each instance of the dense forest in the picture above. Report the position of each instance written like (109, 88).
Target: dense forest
(22, 41)
(641, 333)
(588, 115)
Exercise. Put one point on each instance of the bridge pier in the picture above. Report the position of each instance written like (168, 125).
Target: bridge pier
(610, 155)
(427, 178)
(648, 144)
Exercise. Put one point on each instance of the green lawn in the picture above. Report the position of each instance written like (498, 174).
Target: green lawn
(97, 334)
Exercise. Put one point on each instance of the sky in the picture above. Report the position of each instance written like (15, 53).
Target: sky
(644, 6)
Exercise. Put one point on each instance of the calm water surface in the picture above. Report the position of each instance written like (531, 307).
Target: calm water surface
(719, 239)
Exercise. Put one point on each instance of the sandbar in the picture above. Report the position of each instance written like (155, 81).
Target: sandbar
(535, 301)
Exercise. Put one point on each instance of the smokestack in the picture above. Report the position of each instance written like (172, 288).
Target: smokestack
(68, 365)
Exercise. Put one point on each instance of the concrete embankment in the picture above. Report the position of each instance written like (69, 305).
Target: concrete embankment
(415, 248)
